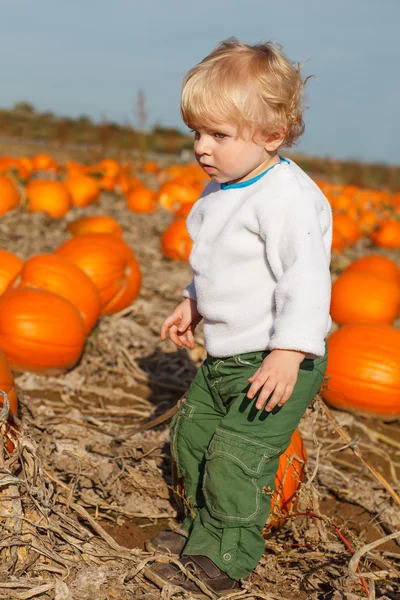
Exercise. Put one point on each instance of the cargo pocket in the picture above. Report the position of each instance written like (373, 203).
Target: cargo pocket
(231, 484)
(185, 412)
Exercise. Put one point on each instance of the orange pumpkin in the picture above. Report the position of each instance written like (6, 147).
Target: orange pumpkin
(109, 167)
(396, 201)
(43, 162)
(379, 265)
(107, 183)
(192, 174)
(84, 189)
(351, 191)
(97, 224)
(151, 167)
(40, 331)
(364, 369)
(126, 183)
(9, 196)
(338, 242)
(368, 220)
(387, 235)
(171, 194)
(72, 168)
(59, 275)
(171, 172)
(183, 211)
(10, 266)
(364, 298)
(128, 291)
(25, 166)
(347, 228)
(46, 195)
(141, 199)
(341, 202)
(14, 166)
(111, 265)
(7, 386)
(9, 164)
(288, 478)
(176, 242)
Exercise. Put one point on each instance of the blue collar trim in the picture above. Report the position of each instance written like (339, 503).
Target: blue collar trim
(242, 184)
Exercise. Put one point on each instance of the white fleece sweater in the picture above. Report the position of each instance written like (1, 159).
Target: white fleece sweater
(260, 261)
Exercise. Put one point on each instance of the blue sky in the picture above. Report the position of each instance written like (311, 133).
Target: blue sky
(92, 56)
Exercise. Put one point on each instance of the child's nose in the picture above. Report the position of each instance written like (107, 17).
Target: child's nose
(202, 146)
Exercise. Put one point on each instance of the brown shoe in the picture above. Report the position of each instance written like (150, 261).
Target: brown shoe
(168, 542)
(203, 568)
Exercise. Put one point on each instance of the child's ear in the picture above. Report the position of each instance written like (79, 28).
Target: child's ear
(274, 140)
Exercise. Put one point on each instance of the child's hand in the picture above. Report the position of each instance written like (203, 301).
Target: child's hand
(182, 323)
(277, 374)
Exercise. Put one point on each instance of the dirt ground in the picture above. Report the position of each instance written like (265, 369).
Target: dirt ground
(88, 484)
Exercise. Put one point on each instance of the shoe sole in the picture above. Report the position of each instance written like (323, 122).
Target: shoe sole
(160, 582)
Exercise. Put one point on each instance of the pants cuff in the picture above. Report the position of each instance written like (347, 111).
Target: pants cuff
(226, 563)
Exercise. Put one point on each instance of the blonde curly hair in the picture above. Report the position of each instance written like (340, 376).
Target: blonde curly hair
(250, 86)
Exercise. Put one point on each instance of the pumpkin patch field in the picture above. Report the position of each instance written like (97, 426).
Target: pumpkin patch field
(93, 257)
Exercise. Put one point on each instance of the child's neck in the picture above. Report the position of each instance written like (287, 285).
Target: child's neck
(266, 164)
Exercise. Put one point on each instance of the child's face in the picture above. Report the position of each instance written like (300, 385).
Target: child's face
(227, 158)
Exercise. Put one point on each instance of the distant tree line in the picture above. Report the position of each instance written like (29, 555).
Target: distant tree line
(24, 122)
(352, 172)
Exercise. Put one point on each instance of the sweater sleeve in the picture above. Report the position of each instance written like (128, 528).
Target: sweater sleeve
(299, 259)
(193, 223)
(190, 291)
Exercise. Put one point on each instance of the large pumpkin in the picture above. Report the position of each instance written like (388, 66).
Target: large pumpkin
(59, 275)
(46, 195)
(10, 266)
(364, 298)
(40, 331)
(176, 242)
(96, 224)
(7, 386)
(288, 478)
(376, 264)
(111, 265)
(364, 369)
(84, 189)
(9, 196)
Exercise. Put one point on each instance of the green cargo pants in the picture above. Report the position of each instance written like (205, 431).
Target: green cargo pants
(227, 453)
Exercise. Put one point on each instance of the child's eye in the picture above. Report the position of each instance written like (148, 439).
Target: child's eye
(220, 136)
